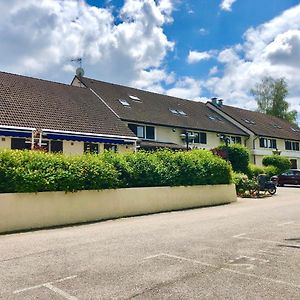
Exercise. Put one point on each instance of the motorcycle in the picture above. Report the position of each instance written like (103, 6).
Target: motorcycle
(263, 185)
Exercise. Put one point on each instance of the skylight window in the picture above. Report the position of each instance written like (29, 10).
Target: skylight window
(174, 111)
(135, 98)
(276, 126)
(181, 112)
(211, 118)
(295, 129)
(249, 121)
(124, 102)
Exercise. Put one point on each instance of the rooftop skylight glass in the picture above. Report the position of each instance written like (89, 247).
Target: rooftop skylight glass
(124, 102)
(295, 129)
(135, 98)
(181, 112)
(174, 111)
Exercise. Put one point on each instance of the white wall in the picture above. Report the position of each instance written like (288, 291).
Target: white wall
(5, 142)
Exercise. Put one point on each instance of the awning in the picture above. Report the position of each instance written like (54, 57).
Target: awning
(15, 133)
(85, 138)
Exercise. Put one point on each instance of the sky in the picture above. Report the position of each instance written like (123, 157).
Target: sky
(192, 49)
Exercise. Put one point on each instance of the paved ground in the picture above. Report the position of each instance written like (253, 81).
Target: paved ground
(246, 250)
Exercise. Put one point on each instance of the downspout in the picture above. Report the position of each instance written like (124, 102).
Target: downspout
(254, 158)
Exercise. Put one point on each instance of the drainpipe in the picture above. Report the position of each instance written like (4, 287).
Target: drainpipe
(254, 158)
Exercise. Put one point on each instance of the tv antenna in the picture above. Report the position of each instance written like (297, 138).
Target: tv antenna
(79, 70)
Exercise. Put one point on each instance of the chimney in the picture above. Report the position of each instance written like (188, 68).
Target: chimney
(220, 102)
(214, 101)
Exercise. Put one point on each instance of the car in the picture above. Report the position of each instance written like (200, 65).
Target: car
(291, 176)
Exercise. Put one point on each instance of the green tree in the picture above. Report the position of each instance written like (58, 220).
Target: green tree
(270, 96)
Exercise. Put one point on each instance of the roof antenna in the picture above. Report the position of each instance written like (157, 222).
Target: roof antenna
(79, 70)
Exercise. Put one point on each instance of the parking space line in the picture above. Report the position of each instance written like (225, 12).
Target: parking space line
(286, 223)
(225, 269)
(51, 287)
(243, 237)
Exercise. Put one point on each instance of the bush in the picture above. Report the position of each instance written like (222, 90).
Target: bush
(244, 186)
(31, 171)
(237, 154)
(280, 162)
(254, 170)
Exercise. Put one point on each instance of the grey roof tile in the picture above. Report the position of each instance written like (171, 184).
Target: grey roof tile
(31, 102)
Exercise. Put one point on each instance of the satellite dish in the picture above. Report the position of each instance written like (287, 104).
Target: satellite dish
(79, 72)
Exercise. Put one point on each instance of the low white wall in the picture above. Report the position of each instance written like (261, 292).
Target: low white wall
(28, 210)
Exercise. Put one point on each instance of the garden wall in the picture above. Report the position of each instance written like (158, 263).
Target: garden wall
(21, 211)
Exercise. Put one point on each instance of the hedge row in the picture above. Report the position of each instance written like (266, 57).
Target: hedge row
(31, 171)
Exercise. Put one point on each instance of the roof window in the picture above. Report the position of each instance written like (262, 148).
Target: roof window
(295, 129)
(124, 102)
(181, 112)
(276, 126)
(135, 98)
(249, 121)
(173, 111)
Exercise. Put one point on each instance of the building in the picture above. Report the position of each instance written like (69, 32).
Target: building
(164, 121)
(267, 134)
(91, 115)
(36, 113)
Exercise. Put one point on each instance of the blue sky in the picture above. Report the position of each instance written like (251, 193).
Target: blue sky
(190, 49)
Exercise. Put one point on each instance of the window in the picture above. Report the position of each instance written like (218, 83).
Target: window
(289, 145)
(56, 146)
(124, 102)
(177, 112)
(200, 137)
(236, 139)
(141, 131)
(20, 144)
(110, 147)
(135, 98)
(267, 143)
(91, 148)
(150, 133)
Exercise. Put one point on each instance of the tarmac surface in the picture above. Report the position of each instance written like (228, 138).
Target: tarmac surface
(245, 250)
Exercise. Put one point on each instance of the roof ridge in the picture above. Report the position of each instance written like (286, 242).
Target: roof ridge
(39, 79)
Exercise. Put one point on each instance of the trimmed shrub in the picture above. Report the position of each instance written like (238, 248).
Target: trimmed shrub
(280, 162)
(254, 170)
(33, 171)
(237, 154)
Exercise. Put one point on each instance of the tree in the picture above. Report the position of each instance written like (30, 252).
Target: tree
(270, 96)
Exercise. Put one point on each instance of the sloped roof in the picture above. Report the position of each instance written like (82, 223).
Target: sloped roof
(31, 102)
(262, 124)
(155, 108)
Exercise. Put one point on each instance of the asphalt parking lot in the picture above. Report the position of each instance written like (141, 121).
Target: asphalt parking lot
(245, 250)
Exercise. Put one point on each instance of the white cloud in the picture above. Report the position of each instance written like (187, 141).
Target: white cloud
(186, 88)
(270, 49)
(226, 4)
(39, 38)
(195, 56)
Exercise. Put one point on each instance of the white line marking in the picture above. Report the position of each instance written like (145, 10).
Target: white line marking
(270, 253)
(59, 291)
(286, 223)
(229, 270)
(242, 237)
(50, 286)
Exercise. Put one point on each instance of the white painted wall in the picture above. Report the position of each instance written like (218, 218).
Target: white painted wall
(5, 142)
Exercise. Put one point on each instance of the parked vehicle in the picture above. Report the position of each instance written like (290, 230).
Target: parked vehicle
(291, 176)
(263, 185)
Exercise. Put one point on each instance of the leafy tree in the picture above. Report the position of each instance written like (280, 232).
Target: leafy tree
(270, 95)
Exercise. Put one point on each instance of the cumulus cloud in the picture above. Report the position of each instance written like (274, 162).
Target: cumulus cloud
(226, 4)
(186, 88)
(40, 38)
(271, 49)
(195, 56)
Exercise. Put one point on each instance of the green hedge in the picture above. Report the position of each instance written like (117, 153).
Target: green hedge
(31, 171)
(237, 154)
(281, 163)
